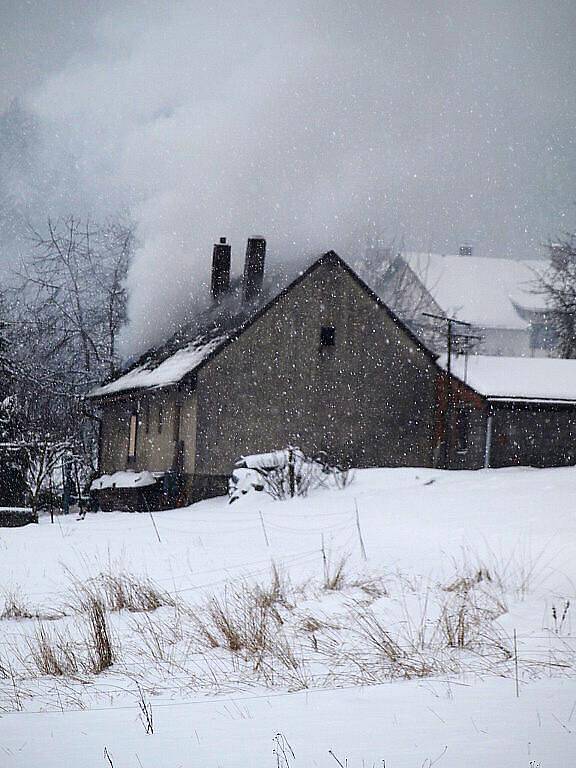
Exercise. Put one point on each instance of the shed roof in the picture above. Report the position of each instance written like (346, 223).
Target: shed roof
(533, 379)
(482, 291)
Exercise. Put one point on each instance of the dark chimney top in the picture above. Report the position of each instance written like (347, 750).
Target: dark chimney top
(254, 267)
(466, 250)
(220, 268)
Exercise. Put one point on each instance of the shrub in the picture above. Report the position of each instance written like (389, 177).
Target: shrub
(285, 473)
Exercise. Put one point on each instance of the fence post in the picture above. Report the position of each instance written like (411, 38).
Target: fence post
(291, 474)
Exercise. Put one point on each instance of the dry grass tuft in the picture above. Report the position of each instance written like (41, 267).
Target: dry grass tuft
(101, 652)
(53, 654)
(126, 592)
(335, 574)
(118, 592)
(15, 607)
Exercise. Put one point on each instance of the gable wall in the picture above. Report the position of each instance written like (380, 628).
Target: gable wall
(367, 401)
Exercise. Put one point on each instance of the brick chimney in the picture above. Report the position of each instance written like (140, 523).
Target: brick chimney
(220, 268)
(254, 267)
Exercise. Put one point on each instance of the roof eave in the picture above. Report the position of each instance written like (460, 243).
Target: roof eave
(530, 400)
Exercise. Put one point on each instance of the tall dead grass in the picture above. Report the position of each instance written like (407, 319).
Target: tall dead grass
(120, 591)
(83, 648)
(269, 632)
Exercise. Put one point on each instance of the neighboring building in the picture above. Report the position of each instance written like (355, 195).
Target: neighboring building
(321, 363)
(511, 411)
(498, 297)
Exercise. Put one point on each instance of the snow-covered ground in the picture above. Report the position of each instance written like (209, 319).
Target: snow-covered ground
(409, 658)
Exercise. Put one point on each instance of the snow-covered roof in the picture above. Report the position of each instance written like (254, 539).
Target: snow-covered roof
(542, 379)
(202, 335)
(151, 375)
(481, 291)
(125, 479)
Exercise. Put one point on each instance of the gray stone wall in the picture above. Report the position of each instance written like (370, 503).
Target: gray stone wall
(369, 400)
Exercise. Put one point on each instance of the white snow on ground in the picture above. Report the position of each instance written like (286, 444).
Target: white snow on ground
(533, 378)
(421, 529)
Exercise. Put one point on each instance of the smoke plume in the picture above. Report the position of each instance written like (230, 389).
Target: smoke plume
(312, 121)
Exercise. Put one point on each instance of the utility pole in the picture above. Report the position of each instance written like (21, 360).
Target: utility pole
(450, 323)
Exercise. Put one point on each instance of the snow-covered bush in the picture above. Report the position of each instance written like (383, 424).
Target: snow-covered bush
(285, 473)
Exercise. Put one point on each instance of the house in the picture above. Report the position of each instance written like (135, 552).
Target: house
(498, 297)
(510, 411)
(317, 361)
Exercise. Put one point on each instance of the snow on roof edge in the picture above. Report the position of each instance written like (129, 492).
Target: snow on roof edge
(523, 379)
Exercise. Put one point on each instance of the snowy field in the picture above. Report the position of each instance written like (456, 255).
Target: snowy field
(370, 624)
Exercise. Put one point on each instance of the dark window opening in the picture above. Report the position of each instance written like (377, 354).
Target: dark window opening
(327, 336)
(147, 418)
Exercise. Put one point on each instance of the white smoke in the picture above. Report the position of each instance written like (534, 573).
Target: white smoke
(306, 121)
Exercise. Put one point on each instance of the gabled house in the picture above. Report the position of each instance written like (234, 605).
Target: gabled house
(498, 297)
(319, 362)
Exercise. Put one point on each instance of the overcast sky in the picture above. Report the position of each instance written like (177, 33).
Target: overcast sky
(435, 122)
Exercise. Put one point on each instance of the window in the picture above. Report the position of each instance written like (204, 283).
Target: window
(147, 418)
(327, 336)
(132, 434)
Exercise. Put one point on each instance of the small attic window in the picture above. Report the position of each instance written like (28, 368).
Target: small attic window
(327, 336)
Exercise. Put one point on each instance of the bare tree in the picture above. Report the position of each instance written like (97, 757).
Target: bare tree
(44, 457)
(73, 286)
(558, 284)
(68, 305)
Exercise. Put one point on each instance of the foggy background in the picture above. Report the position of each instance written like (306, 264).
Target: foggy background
(312, 123)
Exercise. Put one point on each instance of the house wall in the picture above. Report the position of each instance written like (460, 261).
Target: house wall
(367, 401)
(458, 401)
(504, 342)
(115, 420)
(155, 448)
(533, 435)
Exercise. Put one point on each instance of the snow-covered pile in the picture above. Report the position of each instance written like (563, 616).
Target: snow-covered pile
(125, 479)
(377, 621)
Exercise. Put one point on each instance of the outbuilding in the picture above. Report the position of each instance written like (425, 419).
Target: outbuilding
(508, 411)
